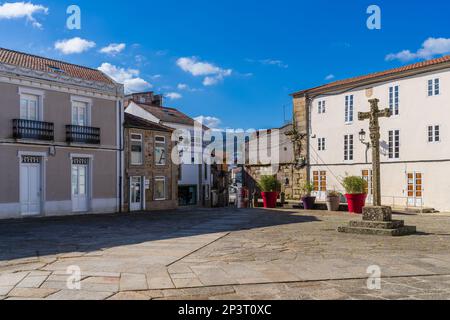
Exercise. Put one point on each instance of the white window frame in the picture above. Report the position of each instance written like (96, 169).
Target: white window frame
(349, 148)
(349, 109)
(163, 179)
(165, 150)
(321, 144)
(90, 180)
(322, 109)
(23, 91)
(434, 133)
(142, 148)
(434, 87)
(88, 103)
(394, 99)
(392, 152)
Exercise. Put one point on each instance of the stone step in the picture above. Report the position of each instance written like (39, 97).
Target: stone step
(395, 224)
(403, 231)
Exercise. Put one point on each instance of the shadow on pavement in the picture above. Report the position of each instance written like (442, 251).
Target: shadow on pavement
(21, 239)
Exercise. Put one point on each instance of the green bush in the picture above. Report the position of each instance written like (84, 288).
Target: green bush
(354, 185)
(307, 189)
(269, 184)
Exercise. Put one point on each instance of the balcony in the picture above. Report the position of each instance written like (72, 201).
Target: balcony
(35, 130)
(84, 135)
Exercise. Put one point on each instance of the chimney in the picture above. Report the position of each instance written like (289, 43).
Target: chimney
(148, 98)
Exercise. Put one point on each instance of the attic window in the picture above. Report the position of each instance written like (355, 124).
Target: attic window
(56, 69)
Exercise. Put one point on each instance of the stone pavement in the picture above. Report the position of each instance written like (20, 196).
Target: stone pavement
(220, 254)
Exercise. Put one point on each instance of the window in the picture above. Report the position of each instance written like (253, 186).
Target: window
(322, 107)
(322, 144)
(434, 87)
(136, 149)
(160, 188)
(434, 133)
(320, 181)
(160, 151)
(394, 100)
(79, 113)
(348, 147)
(394, 144)
(206, 172)
(29, 107)
(349, 108)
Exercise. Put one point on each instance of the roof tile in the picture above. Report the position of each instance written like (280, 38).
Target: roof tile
(33, 62)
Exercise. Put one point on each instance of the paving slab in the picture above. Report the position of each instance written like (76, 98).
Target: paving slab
(35, 293)
(32, 282)
(79, 295)
(130, 282)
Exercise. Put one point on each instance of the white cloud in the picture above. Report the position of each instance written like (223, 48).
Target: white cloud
(113, 48)
(212, 73)
(129, 77)
(182, 86)
(174, 96)
(430, 48)
(74, 45)
(18, 10)
(270, 62)
(210, 122)
(330, 77)
(211, 81)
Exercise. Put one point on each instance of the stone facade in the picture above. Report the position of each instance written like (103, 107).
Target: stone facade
(292, 171)
(149, 170)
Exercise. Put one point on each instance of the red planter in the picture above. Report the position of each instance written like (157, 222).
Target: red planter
(356, 202)
(270, 199)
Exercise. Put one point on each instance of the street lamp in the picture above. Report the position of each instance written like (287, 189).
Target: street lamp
(362, 138)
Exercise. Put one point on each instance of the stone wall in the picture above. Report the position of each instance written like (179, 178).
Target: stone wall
(150, 170)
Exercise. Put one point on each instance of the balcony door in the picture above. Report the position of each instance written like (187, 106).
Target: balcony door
(30, 185)
(415, 189)
(80, 185)
(29, 107)
(80, 114)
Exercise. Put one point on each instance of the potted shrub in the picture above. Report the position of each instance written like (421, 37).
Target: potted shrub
(333, 200)
(309, 202)
(355, 193)
(270, 187)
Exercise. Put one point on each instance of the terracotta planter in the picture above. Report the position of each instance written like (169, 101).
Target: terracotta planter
(270, 199)
(333, 203)
(309, 203)
(356, 202)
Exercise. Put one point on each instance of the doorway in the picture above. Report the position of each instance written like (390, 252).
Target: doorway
(30, 186)
(135, 194)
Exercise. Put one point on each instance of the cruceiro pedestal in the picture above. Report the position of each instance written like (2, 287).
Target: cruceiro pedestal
(378, 221)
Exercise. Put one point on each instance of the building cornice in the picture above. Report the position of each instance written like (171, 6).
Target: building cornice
(344, 87)
(16, 71)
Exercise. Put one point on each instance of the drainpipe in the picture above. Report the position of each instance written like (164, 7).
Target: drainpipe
(308, 135)
(121, 151)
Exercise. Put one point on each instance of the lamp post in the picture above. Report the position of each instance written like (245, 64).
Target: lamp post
(362, 138)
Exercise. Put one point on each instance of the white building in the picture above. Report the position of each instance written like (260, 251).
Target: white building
(415, 142)
(195, 180)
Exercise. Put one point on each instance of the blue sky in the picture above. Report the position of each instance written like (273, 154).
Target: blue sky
(236, 61)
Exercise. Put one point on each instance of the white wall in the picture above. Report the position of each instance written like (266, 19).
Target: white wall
(417, 112)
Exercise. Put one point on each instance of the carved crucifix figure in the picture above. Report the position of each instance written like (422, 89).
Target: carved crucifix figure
(373, 116)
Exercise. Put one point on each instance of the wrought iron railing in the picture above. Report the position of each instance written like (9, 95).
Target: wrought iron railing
(81, 134)
(31, 129)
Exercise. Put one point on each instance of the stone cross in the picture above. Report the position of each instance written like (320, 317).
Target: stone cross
(373, 116)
